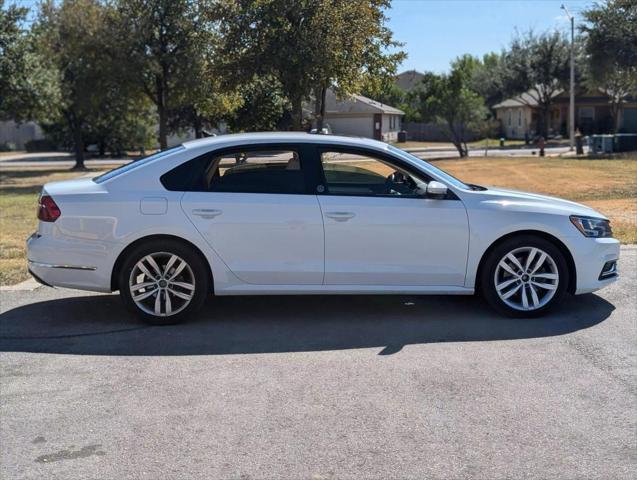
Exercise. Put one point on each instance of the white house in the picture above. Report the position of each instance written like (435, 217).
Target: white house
(16, 135)
(362, 117)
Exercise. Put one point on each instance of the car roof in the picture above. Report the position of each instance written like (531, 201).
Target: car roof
(282, 137)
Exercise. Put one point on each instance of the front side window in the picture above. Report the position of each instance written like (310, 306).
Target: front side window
(364, 175)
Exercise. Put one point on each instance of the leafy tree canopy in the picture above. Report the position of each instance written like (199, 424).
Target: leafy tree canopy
(24, 83)
(611, 35)
(308, 45)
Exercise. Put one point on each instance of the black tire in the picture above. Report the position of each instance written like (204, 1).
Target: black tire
(490, 264)
(165, 247)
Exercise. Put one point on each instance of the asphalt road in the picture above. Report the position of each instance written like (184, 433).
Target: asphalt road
(319, 388)
(65, 160)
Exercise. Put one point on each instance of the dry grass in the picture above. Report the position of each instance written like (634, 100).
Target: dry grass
(19, 192)
(609, 186)
(492, 142)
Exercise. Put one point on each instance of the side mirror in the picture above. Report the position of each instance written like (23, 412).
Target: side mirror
(436, 189)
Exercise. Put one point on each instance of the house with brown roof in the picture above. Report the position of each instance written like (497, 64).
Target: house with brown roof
(519, 116)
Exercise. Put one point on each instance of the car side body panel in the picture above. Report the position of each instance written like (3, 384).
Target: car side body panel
(99, 220)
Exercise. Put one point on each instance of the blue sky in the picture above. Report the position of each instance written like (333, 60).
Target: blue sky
(437, 31)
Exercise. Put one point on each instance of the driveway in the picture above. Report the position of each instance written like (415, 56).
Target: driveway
(319, 388)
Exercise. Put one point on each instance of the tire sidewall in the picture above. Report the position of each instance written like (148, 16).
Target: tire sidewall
(487, 282)
(195, 262)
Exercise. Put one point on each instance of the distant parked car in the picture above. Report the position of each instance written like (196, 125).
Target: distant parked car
(289, 213)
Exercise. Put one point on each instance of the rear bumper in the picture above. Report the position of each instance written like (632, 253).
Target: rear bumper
(590, 256)
(61, 263)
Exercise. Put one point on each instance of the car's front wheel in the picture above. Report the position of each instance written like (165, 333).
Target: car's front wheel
(524, 276)
(163, 281)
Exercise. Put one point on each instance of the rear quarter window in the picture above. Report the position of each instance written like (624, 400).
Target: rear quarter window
(116, 172)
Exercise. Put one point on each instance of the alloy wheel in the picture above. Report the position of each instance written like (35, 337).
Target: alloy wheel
(526, 278)
(162, 284)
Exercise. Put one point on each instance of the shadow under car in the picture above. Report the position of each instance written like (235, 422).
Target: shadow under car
(99, 325)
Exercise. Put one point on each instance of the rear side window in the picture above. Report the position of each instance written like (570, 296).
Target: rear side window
(255, 171)
(136, 164)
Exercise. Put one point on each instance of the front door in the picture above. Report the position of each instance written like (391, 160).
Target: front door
(255, 211)
(380, 231)
(378, 126)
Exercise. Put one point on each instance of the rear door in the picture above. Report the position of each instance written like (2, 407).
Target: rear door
(379, 230)
(255, 210)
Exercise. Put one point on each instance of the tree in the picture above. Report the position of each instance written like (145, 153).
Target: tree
(610, 38)
(537, 68)
(611, 34)
(164, 44)
(487, 78)
(308, 45)
(24, 83)
(262, 106)
(68, 36)
(449, 101)
(352, 51)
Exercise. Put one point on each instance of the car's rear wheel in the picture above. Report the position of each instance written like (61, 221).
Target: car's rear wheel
(163, 281)
(524, 276)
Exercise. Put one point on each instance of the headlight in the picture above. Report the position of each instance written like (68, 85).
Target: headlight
(592, 227)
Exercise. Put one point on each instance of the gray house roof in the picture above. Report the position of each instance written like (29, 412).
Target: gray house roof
(357, 104)
(526, 99)
(409, 79)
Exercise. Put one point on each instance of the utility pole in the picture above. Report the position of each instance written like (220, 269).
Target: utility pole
(571, 116)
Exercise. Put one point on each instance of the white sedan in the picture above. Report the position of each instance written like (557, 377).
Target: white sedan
(291, 213)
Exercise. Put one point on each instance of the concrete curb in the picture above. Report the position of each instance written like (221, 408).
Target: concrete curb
(27, 285)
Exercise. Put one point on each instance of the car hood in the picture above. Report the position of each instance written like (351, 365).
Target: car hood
(525, 201)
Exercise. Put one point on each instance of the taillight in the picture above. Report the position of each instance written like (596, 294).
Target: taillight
(48, 211)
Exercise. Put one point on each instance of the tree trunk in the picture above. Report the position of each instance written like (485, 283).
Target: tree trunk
(543, 121)
(320, 120)
(78, 142)
(614, 111)
(163, 127)
(163, 115)
(457, 139)
(297, 113)
(197, 125)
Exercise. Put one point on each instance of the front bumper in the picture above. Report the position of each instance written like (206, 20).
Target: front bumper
(591, 256)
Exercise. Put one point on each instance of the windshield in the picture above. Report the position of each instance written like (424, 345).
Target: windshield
(439, 173)
(135, 164)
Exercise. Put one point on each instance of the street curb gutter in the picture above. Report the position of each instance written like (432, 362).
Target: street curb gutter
(27, 285)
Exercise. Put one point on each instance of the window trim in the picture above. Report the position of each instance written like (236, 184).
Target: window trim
(392, 160)
(305, 159)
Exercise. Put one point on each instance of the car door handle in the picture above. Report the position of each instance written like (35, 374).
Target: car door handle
(340, 216)
(206, 213)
